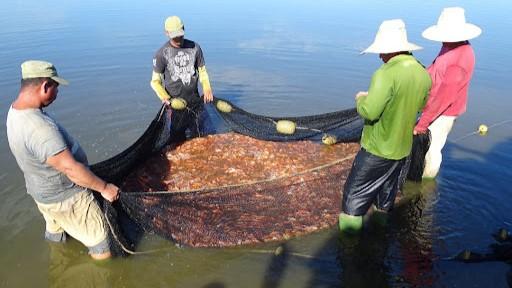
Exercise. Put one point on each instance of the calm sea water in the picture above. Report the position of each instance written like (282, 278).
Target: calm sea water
(274, 58)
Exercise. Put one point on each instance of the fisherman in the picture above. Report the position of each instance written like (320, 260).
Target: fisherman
(54, 165)
(397, 93)
(451, 73)
(177, 66)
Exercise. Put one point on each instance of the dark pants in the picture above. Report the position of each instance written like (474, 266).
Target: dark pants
(373, 179)
(189, 123)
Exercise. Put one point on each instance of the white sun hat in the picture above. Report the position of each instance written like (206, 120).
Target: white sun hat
(452, 27)
(391, 37)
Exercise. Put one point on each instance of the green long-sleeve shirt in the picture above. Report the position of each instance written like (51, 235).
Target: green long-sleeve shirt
(398, 91)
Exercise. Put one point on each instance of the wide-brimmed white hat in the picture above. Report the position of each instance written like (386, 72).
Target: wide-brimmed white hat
(452, 27)
(391, 37)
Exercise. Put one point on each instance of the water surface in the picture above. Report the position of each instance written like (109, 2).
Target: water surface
(273, 58)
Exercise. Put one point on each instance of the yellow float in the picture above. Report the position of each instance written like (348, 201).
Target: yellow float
(328, 139)
(482, 129)
(178, 103)
(286, 127)
(224, 106)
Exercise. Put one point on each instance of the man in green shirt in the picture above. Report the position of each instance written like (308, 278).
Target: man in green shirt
(398, 91)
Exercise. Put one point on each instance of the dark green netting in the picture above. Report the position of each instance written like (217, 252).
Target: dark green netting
(154, 138)
(420, 145)
(247, 214)
(273, 209)
(346, 125)
(123, 230)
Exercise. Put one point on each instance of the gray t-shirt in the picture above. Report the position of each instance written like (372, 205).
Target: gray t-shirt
(179, 66)
(34, 137)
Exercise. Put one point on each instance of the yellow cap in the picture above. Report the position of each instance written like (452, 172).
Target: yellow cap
(174, 27)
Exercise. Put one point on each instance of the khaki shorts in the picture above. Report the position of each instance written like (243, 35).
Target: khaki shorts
(80, 217)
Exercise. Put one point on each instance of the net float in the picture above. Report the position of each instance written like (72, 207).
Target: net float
(286, 127)
(178, 103)
(482, 129)
(223, 106)
(328, 139)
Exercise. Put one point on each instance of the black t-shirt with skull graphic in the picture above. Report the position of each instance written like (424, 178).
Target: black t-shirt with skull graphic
(180, 69)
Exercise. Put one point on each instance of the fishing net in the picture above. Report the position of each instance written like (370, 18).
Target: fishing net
(232, 188)
(343, 126)
(234, 195)
(123, 229)
(416, 160)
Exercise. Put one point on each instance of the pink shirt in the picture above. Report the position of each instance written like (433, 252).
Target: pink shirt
(450, 72)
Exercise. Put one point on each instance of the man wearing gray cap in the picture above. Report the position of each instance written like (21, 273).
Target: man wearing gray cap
(54, 165)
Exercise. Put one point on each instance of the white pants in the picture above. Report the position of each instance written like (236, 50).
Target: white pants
(439, 130)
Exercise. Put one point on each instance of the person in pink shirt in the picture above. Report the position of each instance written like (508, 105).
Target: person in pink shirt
(451, 73)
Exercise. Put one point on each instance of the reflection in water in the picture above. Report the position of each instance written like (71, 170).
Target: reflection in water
(382, 256)
(276, 268)
(362, 258)
(489, 192)
(68, 270)
(214, 285)
(413, 228)
(319, 71)
(397, 254)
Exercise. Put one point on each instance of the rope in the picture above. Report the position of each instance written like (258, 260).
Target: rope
(337, 161)
(476, 132)
(129, 251)
(254, 251)
(297, 127)
(299, 255)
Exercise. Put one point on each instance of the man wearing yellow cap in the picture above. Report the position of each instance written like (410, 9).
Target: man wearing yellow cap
(177, 67)
(54, 165)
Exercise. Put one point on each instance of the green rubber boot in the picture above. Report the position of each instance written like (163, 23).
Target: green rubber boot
(350, 224)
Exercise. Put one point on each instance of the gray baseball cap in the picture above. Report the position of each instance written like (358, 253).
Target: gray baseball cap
(38, 69)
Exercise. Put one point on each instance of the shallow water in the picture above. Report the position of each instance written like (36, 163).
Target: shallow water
(274, 58)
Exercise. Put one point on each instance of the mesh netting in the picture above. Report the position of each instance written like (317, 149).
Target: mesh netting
(420, 145)
(346, 125)
(274, 208)
(252, 213)
(154, 138)
(114, 170)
